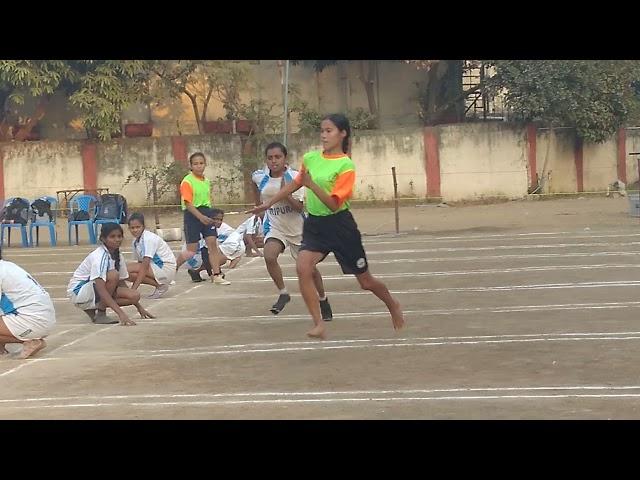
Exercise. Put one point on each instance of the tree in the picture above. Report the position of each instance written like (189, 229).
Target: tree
(595, 97)
(366, 75)
(103, 89)
(99, 88)
(21, 78)
(159, 181)
(199, 81)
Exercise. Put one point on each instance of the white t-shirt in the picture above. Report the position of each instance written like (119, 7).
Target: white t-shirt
(96, 265)
(151, 245)
(251, 226)
(224, 231)
(20, 293)
(281, 216)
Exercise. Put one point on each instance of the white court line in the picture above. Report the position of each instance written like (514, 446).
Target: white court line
(476, 239)
(331, 263)
(560, 388)
(372, 340)
(344, 346)
(329, 400)
(399, 242)
(451, 273)
(199, 319)
(417, 291)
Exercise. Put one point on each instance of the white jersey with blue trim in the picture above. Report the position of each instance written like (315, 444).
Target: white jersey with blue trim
(95, 266)
(20, 293)
(281, 216)
(151, 245)
(224, 230)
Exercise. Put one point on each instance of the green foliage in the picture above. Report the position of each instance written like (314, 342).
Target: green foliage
(596, 97)
(164, 179)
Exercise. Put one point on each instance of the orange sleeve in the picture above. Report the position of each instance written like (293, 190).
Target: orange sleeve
(186, 192)
(343, 188)
(298, 178)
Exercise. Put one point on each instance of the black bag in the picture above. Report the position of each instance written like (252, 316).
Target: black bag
(41, 210)
(16, 211)
(81, 216)
(112, 205)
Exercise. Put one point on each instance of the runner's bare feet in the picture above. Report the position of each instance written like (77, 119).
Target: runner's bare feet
(30, 347)
(397, 317)
(318, 331)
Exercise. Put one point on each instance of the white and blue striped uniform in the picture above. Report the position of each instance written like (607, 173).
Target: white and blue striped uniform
(95, 265)
(25, 306)
(163, 261)
(281, 221)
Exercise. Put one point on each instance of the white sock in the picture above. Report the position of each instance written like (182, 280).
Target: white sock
(322, 299)
(284, 292)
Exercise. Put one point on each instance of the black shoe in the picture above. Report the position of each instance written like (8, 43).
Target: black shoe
(195, 276)
(283, 299)
(325, 308)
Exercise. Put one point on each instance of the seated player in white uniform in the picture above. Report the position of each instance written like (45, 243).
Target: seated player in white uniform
(283, 223)
(233, 247)
(99, 281)
(27, 313)
(155, 262)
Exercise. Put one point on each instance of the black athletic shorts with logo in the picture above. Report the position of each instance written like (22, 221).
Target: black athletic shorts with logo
(193, 227)
(337, 233)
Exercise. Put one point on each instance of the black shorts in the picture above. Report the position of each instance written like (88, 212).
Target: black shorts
(194, 228)
(339, 234)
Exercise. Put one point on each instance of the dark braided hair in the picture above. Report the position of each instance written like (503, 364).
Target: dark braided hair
(107, 228)
(342, 123)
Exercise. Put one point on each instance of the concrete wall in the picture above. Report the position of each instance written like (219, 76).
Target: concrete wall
(482, 160)
(600, 165)
(555, 160)
(632, 145)
(32, 169)
(471, 161)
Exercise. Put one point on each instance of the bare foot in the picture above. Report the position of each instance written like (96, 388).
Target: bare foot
(397, 317)
(317, 332)
(31, 346)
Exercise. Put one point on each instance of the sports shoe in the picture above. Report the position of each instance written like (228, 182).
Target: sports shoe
(160, 291)
(219, 280)
(283, 299)
(195, 276)
(325, 308)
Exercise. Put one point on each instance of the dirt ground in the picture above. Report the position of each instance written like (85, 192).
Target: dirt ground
(525, 309)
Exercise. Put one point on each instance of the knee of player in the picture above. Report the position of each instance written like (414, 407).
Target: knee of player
(271, 258)
(113, 276)
(366, 283)
(304, 270)
(134, 295)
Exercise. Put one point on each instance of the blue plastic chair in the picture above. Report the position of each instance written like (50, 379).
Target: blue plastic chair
(9, 226)
(102, 221)
(82, 203)
(41, 223)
